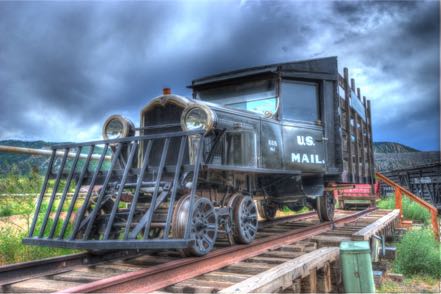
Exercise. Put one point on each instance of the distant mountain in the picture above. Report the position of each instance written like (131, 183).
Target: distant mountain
(25, 163)
(391, 147)
(391, 156)
(393, 161)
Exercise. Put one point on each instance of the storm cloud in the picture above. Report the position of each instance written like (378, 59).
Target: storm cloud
(66, 66)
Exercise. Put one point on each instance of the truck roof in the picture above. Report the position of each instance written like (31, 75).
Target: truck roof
(321, 68)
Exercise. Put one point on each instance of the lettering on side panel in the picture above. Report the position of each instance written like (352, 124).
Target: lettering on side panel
(310, 158)
(272, 145)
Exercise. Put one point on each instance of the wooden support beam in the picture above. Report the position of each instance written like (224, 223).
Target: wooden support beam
(324, 281)
(370, 144)
(222, 276)
(197, 286)
(363, 140)
(336, 277)
(359, 137)
(297, 286)
(357, 148)
(348, 124)
(282, 276)
(312, 280)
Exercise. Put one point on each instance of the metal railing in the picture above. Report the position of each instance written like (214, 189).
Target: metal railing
(399, 191)
(42, 152)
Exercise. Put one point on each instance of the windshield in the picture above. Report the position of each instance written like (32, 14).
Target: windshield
(255, 96)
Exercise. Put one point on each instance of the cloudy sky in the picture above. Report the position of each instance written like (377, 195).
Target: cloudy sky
(64, 67)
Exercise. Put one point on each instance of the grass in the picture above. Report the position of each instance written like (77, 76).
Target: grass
(12, 250)
(285, 211)
(16, 215)
(13, 182)
(418, 253)
(16, 227)
(411, 210)
(415, 283)
(419, 260)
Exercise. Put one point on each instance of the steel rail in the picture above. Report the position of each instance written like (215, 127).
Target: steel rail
(17, 272)
(163, 275)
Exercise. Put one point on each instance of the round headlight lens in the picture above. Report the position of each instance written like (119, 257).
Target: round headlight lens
(196, 119)
(114, 129)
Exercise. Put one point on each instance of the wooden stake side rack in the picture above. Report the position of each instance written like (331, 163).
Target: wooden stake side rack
(356, 127)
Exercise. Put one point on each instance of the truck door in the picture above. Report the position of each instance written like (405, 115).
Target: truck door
(303, 137)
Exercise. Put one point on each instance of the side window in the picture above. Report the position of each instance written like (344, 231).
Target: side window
(300, 101)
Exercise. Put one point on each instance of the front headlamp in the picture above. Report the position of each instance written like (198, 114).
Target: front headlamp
(198, 117)
(116, 127)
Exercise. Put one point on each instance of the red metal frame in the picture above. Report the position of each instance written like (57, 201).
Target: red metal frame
(399, 191)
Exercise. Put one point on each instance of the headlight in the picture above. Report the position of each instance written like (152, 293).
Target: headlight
(195, 119)
(116, 127)
(198, 118)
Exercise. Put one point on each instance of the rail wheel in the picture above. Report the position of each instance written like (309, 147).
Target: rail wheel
(266, 210)
(203, 224)
(326, 206)
(244, 218)
(99, 223)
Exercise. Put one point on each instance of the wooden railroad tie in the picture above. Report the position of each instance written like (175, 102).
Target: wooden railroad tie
(285, 275)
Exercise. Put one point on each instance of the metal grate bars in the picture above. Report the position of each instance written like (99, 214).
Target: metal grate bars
(174, 187)
(64, 195)
(155, 193)
(76, 193)
(43, 191)
(194, 185)
(138, 188)
(122, 201)
(83, 208)
(91, 218)
(54, 193)
(134, 147)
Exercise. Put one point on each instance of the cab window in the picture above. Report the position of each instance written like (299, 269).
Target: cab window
(300, 101)
(256, 96)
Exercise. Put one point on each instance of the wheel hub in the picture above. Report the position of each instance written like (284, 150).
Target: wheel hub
(244, 218)
(203, 224)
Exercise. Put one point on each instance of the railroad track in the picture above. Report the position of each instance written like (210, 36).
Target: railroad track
(278, 241)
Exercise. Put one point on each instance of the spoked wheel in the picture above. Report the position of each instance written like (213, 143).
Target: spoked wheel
(99, 223)
(244, 218)
(326, 207)
(203, 224)
(155, 233)
(266, 210)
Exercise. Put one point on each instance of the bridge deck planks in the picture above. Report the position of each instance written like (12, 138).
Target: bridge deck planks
(367, 232)
(281, 276)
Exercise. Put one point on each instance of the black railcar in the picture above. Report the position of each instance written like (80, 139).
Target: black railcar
(248, 142)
